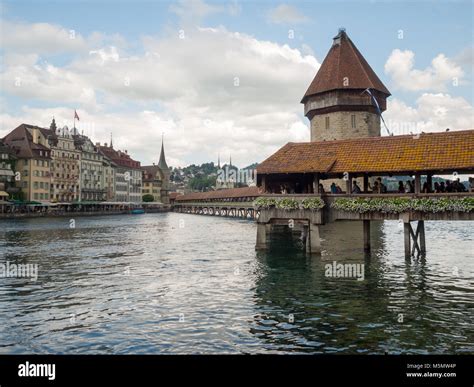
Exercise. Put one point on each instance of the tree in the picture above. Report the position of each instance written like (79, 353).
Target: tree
(148, 198)
(202, 183)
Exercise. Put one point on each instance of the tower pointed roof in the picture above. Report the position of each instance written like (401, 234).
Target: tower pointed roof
(344, 68)
(162, 163)
(53, 126)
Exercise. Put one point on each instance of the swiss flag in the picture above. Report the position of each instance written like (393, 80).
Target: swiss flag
(76, 116)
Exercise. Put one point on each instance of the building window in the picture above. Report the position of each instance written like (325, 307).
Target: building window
(353, 121)
(327, 122)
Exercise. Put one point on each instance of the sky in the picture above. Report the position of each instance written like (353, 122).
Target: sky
(226, 78)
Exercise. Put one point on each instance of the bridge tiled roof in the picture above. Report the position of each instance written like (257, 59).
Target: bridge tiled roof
(445, 151)
(220, 194)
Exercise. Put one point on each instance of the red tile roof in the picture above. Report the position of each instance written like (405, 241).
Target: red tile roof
(344, 61)
(118, 157)
(150, 171)
(445, 151)
(21, 141)
(220, 194)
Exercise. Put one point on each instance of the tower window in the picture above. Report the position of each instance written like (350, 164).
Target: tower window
(327, 122)
(353, 121)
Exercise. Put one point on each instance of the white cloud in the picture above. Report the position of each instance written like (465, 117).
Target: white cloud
(432, 113)
(193, 11)
(46, 82)
(442, 71)
(106, 54)
(214, 91)
(40, 38)
(307, 50)
(466, 57)
(286, 14)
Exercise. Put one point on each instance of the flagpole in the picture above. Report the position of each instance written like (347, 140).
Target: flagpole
(379, 111)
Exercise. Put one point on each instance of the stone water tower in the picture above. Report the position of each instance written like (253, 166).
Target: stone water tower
(337, 103)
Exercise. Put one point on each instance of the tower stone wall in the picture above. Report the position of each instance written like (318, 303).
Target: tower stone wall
(343, 125)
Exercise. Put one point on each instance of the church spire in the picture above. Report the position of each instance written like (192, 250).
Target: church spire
(111, 140)
(162, 163)
(218, 161)
(53, 126)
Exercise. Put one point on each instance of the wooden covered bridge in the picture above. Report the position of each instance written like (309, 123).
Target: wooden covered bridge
(292, 186)
(235, 202)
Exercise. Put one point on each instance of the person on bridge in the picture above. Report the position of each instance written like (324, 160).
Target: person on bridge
(426, 188)
(382, 187)
(401, 188)
(355, 188)
(449, 186)
(375, 188)
(458, 186)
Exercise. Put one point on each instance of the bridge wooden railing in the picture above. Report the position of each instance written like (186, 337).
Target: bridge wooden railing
(244, 201)
(371, 195)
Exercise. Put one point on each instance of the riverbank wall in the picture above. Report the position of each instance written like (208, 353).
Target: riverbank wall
(73, 214)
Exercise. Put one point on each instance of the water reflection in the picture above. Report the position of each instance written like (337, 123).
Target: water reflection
(401, 306)
(146, 284)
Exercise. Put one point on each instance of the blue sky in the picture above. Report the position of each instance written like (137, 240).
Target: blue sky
(429, 28)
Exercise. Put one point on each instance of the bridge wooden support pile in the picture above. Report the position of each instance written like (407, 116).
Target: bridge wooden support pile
(308, 221)
(310, 235)
(366, 231)
(417, 237)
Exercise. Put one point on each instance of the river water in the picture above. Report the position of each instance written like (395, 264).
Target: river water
(180, 283)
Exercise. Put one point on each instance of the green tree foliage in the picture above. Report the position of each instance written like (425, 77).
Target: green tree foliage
(148, 198)
(202, 183)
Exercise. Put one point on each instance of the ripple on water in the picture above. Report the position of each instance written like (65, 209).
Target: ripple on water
(142, 284)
